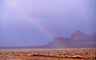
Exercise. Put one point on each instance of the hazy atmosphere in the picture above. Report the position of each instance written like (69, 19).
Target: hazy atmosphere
(36, 22)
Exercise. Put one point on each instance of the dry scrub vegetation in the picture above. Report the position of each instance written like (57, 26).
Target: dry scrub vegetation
(48, 54)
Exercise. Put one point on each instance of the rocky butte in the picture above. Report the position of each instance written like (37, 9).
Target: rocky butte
(77, 40)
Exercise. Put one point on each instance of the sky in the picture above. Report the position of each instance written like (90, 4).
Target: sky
(36, 22)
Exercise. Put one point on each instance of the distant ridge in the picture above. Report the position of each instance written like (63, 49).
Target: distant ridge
(77, 40)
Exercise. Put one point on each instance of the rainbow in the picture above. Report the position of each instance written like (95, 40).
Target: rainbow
(33, 20)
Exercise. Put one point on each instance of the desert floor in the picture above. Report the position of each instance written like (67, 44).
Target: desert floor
(47, 54)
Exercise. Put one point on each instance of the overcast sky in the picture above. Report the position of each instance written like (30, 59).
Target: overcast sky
(58, 17)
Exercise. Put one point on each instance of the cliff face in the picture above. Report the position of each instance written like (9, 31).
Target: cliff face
(77, 40)
(79, 36)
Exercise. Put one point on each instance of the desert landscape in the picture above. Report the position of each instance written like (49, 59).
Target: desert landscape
(79, 46)
(47, 30)
(48, 54)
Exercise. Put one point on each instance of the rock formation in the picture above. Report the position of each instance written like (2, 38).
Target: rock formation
(77, 40)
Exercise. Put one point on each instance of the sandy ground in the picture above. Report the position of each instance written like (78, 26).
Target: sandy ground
(47, 54)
